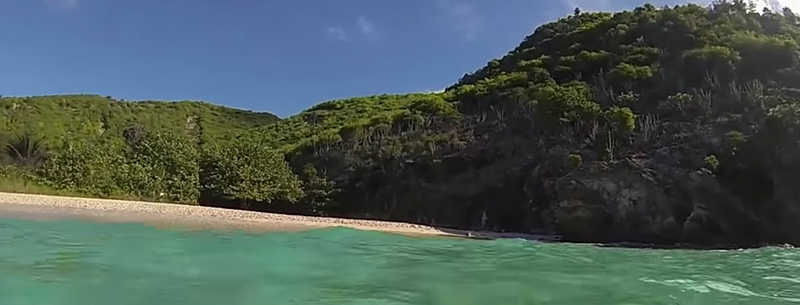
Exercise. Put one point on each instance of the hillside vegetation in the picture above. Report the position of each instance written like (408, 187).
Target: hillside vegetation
(97, 146)
(54, 118)
(664, 125)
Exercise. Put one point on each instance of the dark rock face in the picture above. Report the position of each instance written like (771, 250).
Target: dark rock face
(614, 203)
(626, 202)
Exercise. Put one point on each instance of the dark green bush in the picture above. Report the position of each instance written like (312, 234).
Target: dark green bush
(250, 172)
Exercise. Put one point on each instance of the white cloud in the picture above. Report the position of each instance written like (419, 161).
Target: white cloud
(366, 27)
(792, 4)
(761, 4)
(337, 33)
(434, 91)
(62, 4)
(466, 19)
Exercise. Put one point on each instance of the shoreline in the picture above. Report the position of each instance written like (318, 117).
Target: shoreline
(170, 215)
(44, 207)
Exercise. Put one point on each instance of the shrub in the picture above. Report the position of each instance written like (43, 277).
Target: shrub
(566, 103)
(574, 161)
(25, 151)
(249, 172)
(622, 120)
(318, 190)
(735, 138)
(167, 166)
(94, 168)
(710, 162)
(158, 167)
(625, 72)
(436, 107)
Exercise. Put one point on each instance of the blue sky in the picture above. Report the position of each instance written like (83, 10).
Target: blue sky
(276, 56)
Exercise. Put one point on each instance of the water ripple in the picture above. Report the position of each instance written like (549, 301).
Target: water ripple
(70, 263)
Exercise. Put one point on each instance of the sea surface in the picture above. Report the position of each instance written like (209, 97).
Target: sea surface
(83, 263)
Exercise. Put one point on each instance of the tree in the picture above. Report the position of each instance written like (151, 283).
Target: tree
(169, 167)
(249, 172)
(563, 104)
(622, 120)
(159, 167)
(318, 190)
(26, 151)
(90, 167)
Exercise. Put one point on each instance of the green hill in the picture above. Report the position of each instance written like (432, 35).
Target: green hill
(328, 118)
(653, 125)
(662, 125)
(55, 118)
(672, 125)
(97, 146)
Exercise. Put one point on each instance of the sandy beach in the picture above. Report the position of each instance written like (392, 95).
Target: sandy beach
(41, 207)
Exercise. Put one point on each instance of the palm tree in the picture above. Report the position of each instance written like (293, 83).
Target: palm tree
(26, 151)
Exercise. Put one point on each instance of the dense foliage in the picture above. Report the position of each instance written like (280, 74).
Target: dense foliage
(251, 173)
(156, 167)
(657, 124)
(674, 124)
(77, 117)
(101, 147)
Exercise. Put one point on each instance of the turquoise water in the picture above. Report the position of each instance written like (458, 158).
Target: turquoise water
(66, 263)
